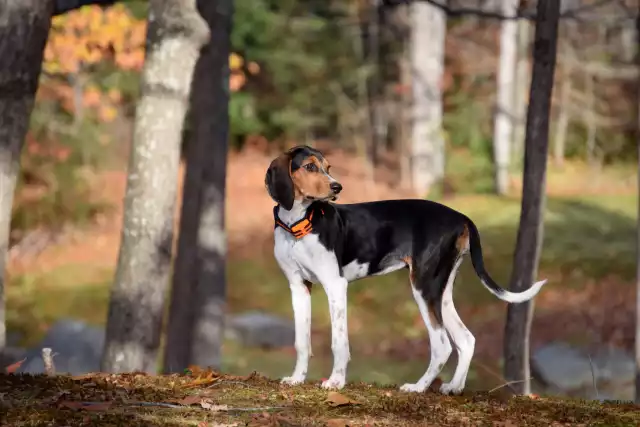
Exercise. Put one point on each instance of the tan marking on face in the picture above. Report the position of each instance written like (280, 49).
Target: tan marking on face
(462, 244)
(311, 184)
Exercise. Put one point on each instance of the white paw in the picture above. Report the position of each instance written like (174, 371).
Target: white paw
(293, 380)
(413, 388)
(334, 382)
(449, 388)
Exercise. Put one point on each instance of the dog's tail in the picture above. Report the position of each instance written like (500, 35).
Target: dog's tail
(487, 281)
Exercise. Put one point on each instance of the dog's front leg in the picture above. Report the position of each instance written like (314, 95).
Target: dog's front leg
(337, 295)
(301, 300)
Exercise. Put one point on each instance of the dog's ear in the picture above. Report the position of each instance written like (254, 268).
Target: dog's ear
(278, 181)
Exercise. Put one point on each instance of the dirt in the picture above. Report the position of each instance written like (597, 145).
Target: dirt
(206, 398)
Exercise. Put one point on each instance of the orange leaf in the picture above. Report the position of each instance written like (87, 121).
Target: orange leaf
(336, 399)
(14, 366)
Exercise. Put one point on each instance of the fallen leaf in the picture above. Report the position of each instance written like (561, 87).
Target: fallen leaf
(336, 399)
(208, 405)
(14, 366)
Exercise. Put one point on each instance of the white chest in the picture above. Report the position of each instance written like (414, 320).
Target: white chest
(306, 257)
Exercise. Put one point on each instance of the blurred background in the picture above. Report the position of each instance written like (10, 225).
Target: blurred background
(330, 74)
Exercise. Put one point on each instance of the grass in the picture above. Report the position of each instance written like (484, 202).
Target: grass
(208, 399)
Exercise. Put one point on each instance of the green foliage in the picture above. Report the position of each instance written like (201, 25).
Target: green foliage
(303, 50)
(470, 154)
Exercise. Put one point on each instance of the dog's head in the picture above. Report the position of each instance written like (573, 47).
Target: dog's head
(302, 173)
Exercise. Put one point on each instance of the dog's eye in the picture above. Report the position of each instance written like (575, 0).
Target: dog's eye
(311, 167)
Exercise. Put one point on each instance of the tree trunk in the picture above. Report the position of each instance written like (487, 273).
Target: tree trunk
(505, 108)
(196, 316)
(428, 32)
(522, 88)
(24, 26)
(590, 119)
(529, 242)
(560, 140)
(175, 35)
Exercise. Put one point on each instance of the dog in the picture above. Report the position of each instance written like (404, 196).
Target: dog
(320, 242)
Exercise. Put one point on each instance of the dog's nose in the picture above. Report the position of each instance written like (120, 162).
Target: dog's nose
(335, 187)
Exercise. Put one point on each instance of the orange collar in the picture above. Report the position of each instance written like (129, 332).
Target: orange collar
(300, 228)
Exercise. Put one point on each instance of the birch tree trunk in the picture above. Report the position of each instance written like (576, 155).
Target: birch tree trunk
(505, 108)
(530, 231)
(175, 35)
(560, 140)
(428, 32)
(522, 88)
(24, 26)
(196, 316)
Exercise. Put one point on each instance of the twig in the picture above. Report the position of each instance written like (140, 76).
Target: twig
(593, 376)
(264, 408)
(509, 384)
(161, 404)
(492, 372)
(175, 406)
(47, 357)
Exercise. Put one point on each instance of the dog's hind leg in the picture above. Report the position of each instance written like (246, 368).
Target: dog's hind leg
(462, 338)
(438, 339)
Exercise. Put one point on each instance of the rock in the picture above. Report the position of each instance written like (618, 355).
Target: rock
(567, 370)
(77, 348)
(614, 365)
(561, 366)
(256, 329)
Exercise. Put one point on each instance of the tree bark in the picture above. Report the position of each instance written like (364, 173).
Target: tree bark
(428, 32)
(530, 232)
(175, 35)
(505, 108)
(196, 316)
(24, 26)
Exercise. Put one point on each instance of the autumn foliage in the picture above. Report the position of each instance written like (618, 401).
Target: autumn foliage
(82, 39)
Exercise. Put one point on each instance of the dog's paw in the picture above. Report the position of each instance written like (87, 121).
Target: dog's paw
(292, 380)
(413, 388)
(333, 383)
(452, 389)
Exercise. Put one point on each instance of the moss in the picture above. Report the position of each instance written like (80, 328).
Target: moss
(256, 400)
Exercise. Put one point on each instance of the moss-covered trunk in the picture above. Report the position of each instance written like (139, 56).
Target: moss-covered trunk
(175, 35)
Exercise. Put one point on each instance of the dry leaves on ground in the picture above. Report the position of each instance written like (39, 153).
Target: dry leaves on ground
(336, 399)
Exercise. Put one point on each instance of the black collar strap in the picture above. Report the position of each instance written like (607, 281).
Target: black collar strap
(300, 228)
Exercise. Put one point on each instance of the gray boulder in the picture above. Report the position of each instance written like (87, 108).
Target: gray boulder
(567, 370)
(561, 366)
(77, 348)
(256, 329)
